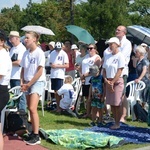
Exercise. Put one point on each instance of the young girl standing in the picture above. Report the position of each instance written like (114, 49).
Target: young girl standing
(32, 81)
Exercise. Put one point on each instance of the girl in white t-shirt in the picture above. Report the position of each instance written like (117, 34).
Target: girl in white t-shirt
(68, 93)
(5, 73)
(32, 81)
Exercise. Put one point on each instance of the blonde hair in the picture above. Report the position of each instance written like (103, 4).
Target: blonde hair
(68, 79)
(34, 34)
(140, 49)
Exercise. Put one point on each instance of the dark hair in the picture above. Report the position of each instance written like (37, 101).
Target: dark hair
(3, 36)
(68, 41)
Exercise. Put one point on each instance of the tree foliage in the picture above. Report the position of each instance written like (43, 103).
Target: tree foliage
(99, 17)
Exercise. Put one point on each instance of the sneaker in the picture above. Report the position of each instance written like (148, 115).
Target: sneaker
(28, 137)
(34, 140)
(92, 124)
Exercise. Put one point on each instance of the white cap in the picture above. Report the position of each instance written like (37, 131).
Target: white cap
(52, 43)
(144, 45)
(113, 40)
(74, 46)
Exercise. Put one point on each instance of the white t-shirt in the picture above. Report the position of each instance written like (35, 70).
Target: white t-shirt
(86, 64)
(126, 49)
(20, 49)
(30, 63)
(69, 96)
(5, 67)
(61, 58)
(112, 63)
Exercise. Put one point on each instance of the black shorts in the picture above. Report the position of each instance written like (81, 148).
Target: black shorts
(56, 84)
(4, 97)
(85, 90)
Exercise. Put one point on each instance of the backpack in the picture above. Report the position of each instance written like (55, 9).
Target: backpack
(140, 113)
(17, 122)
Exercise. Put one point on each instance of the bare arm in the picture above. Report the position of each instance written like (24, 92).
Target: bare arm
(142, 74)
(66, 65)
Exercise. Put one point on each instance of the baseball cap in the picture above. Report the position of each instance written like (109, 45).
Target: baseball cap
(94, 70)
(14, 33)
(58, 46)
(113, 40)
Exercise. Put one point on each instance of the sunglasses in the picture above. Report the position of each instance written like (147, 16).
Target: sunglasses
(90, 48)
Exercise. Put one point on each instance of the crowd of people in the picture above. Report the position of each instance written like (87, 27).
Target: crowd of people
(103, 79)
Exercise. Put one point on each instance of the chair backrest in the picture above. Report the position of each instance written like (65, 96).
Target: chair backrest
(135, 88)
(16, 91)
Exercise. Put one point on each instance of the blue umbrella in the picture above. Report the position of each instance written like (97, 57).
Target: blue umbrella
(81, 34)
(142, 34)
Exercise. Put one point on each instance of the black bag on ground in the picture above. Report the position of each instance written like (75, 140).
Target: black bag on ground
(140, 113)
(18, 121)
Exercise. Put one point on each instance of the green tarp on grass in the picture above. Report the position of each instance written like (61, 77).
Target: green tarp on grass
(81, 139)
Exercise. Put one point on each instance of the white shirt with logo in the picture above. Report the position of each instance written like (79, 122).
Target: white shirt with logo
(61, 58)
(69, 96)
(86, 64)
(31, 61)
(20, 49)
(112, 63)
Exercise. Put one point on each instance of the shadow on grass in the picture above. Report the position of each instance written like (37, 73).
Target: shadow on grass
(75, 123)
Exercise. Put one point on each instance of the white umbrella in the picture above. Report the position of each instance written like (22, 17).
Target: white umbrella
(38, 29)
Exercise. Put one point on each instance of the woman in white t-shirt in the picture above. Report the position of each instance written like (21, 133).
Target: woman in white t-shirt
(5, 73)
(91, 59)
(112, 71)
(32, 81)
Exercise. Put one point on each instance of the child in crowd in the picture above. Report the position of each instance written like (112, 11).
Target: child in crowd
(68, 93)
(96, 95)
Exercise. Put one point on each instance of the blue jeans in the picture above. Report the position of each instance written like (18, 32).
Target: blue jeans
(22, 101)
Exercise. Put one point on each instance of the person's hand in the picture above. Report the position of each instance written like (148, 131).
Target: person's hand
(137, 80)
(54, 66)
(24, 87)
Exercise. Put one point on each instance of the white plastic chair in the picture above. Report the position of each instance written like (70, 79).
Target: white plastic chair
(48, 88)
(42, 97)
(134, 96)
(16, 94)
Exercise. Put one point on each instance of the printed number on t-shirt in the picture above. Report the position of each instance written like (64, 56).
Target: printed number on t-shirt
(71, 93)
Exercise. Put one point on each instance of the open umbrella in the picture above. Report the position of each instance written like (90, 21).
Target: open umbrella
(38, 29)
(142, 34)
(81, 34)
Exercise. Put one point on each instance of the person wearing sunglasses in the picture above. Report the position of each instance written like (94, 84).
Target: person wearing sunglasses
(91, 59)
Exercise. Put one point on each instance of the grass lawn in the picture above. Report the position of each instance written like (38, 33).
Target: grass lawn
(55, 121)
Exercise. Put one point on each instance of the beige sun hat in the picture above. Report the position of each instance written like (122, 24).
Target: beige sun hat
(14, 33)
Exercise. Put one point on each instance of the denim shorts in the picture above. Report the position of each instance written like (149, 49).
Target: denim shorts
(37, 87)
(97, 103)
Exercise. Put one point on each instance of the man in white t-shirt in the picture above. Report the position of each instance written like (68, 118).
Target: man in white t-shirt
(16, 54)
(125, 49)
(58, 62)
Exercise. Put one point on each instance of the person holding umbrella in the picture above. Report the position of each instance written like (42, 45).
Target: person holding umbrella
(32, 81)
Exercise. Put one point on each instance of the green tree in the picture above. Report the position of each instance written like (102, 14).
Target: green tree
(140, 12)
